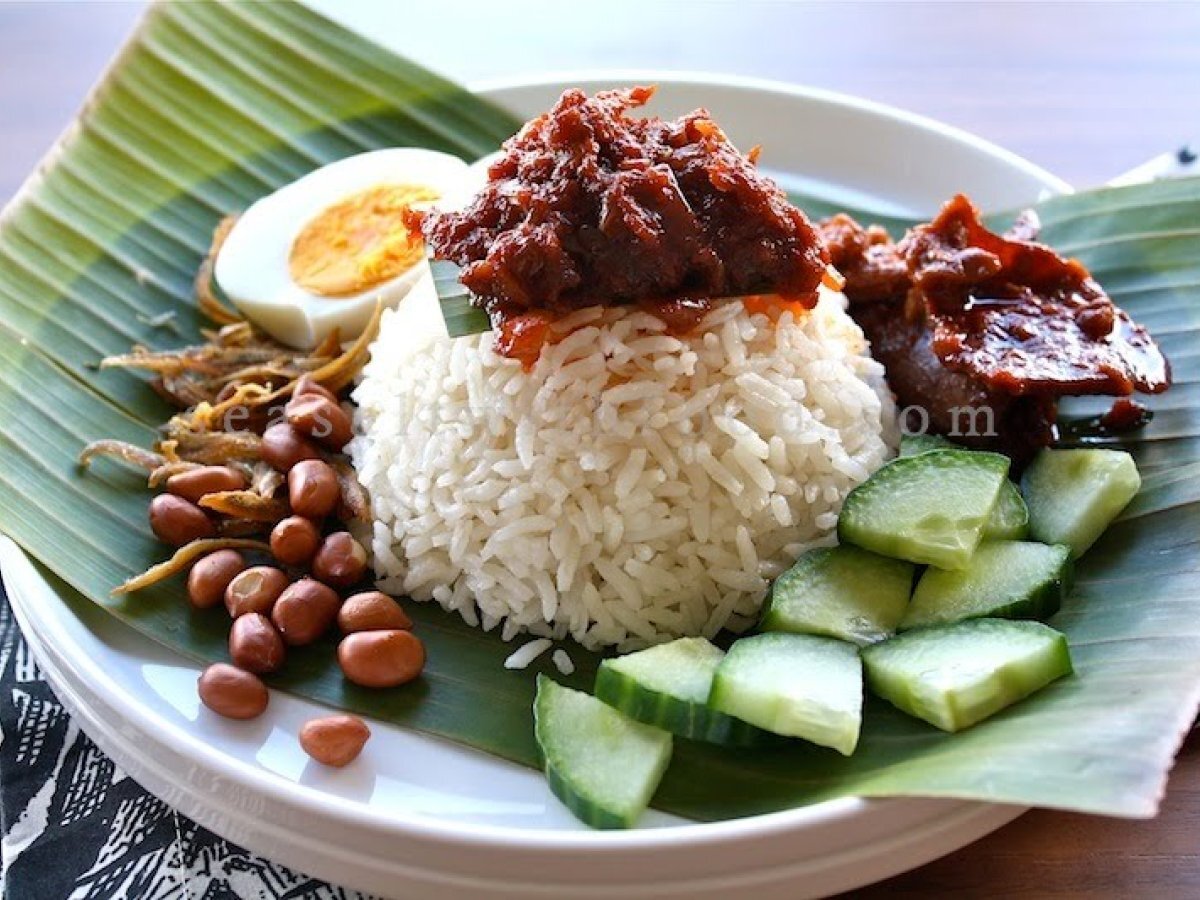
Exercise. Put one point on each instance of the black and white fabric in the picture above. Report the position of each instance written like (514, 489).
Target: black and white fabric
(75, 826)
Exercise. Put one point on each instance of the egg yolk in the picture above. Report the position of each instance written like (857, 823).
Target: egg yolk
(359, 242)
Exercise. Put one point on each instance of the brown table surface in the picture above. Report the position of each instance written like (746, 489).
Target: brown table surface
(1085, 90)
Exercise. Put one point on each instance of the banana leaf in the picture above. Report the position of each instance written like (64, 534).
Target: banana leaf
(212, 105)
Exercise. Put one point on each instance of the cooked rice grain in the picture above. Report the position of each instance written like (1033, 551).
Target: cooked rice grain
(633, 486)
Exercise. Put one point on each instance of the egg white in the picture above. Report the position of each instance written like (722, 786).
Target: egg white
(252, 267)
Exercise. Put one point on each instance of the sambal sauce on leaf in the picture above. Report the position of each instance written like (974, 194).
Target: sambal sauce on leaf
(1020, 317)
(963, 318)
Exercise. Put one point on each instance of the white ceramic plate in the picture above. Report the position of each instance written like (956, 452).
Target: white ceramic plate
(416, 816)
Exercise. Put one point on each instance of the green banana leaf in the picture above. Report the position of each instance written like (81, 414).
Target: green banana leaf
(212, 105)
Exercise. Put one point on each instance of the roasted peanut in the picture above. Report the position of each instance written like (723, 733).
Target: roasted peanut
(210, 576)
(313, 489)
(340, 560)
(175, 521)
(334, 740)
(321, 419)
(381, 659)
(254, 590)
(305, 611)
(294, 540)
(231, 692)
(283, 446)
(196, 483)
(255, 645)
(306, 384)
(372, 611)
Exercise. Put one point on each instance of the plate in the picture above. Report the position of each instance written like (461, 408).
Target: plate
(417, 816)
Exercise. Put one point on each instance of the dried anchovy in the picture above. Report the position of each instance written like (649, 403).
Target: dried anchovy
(327, 349)
(212, 448)
(206, 298)
(276, 371)
(354, 495)
(124, 451)
(188, 375)
(184, 557)
(335, 374)
(180, 392)
(212, 416)
(248, 505)
(341, 372)
(238, 356)
(167, 362)
(265, 480)
(237, 334)
(159, 476)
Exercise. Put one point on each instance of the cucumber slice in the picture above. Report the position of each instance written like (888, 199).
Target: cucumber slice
(668, 686)
(912, 444)
(953, 676)
(1073, 495)
(843, 592)
(1009, 520)
(600, 763)
(796, 685)
(930, 508)
(1010, 517)
(1006, 579)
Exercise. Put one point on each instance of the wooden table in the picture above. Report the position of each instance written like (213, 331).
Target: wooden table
(1085, 90)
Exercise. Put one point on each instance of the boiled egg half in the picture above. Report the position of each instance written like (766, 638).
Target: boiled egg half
(318, 254)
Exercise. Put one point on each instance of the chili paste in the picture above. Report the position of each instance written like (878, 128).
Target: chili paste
(962, 317)
(588, 205)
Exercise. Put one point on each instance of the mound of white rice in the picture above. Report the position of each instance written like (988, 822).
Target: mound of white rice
(633, 486)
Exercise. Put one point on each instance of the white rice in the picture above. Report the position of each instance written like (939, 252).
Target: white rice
(632, 486)
(562, 661)
(527, 653)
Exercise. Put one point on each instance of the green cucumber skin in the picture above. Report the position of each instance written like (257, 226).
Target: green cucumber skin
(826, 575)
(591, 812)
(953, 551)
(1074, 495)
(587, 812)
(1007, 685)
(694, 721)
(1041, 601)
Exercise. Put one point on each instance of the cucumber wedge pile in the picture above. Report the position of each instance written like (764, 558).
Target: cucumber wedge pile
(988, 559)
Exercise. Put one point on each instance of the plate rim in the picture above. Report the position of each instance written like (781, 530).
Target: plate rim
(754, 84)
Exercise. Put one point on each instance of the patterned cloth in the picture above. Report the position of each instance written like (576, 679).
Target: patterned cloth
(75, 826)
